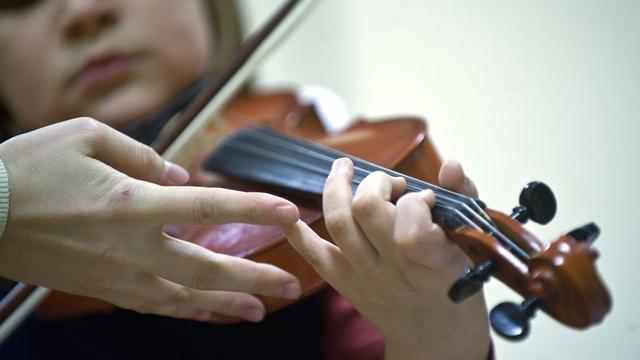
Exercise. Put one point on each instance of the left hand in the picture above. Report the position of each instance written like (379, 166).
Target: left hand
(395, 265)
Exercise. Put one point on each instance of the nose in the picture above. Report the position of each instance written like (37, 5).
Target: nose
(86, 19)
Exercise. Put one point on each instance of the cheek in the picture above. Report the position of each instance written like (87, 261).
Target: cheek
(27, 78)
(181, 40)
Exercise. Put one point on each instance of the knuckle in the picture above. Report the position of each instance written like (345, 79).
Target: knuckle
(364, 204)
(259, 281)
(379, 175)
(378, 178)
(204, 209)
(409, 240)
(178, 297)
(409, 200)
(86, 123)
(121, 202)
(253, 208)
(143, 308)
(338, 221)
(109, 254)
(205, 278)
(313, 258)
(147, 159)
(88, 285)
(89, 129)
(105, 282)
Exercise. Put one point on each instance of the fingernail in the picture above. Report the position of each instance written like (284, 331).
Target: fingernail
(175, 174)
(340, 165)
(291, 290)
(253, 313)
(287, 214)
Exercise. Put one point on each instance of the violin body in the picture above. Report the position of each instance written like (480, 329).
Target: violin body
(400, 143)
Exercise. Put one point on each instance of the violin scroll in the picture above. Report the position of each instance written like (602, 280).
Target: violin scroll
(560, 278)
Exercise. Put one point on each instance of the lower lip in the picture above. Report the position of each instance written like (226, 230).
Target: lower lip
(105, 73)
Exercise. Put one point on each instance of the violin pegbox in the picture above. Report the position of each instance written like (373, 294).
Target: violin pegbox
(560, 278)
(537, 203)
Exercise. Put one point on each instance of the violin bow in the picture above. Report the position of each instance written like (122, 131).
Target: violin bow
(183, 138)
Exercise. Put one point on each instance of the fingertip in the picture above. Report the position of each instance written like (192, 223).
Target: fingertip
(253, 313)
(429, 197)
(291, 290)
(175, 174)
(201, 315)
(341, 166)
(398, 186)
(451, 174)
(291, 228)
(452, 177)
(452, 163)
(287, 214)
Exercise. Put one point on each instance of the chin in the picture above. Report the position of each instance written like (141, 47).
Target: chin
(127, 108)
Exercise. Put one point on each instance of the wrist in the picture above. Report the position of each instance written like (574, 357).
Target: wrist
(458, 331)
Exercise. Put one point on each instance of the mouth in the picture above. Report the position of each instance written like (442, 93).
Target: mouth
(103, 71)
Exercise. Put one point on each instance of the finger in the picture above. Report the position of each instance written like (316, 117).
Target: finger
(373, 211)
(325, 258)
(197, 205)
(417, 237)
(132, 157)
(215, 318)
(338, 217)
(167, 298)
(195, 267)
(177, 312)
(453, 178)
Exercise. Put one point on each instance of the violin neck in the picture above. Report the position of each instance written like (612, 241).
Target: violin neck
(266, 156)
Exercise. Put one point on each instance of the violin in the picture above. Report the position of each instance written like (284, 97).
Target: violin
(290, 154)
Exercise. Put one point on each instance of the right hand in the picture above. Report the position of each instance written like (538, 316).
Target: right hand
(87, 210)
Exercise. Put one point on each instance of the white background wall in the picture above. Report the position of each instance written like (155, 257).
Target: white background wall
(516, 90)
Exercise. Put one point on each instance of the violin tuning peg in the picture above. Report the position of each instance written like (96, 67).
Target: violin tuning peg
(588, 233)
(537, 203)
(471, 281)
(511, 321)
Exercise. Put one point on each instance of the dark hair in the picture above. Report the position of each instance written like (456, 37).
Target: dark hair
(224, 19)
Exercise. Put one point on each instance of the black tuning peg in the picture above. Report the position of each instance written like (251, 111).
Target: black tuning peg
(588, 233)
(511, 321)
(471, 281)
(537, 203)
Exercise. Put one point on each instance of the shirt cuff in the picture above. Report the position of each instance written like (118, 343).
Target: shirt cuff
(4, 197)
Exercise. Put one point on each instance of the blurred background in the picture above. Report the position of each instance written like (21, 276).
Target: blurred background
(515, 90)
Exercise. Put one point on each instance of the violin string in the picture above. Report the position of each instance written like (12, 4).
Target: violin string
(327, 156)
(307, 153)
(360, 172)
